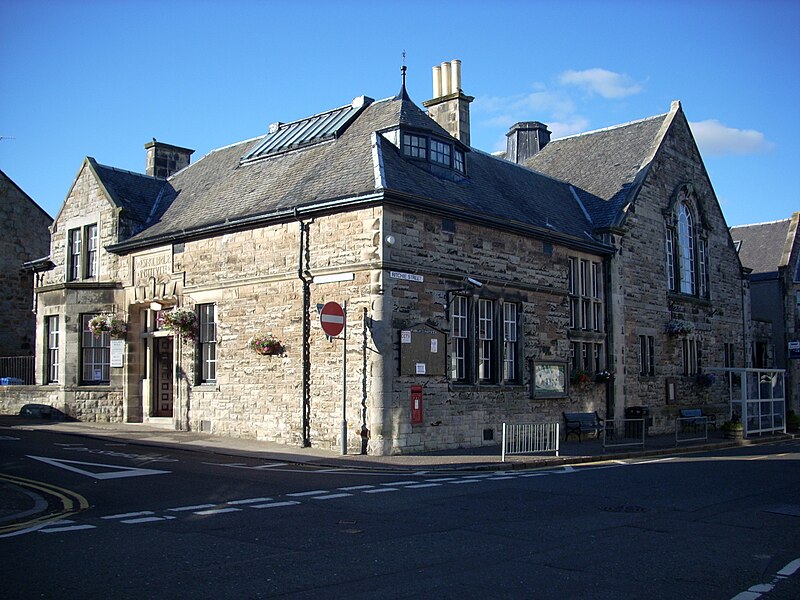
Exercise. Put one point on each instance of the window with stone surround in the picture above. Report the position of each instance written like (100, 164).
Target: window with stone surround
(51, 328)
(647, 350)
(95, 354)
(686, 248)
(82, 252)
(207, 342)
(585, 294)
(484, 340)
(691, 356)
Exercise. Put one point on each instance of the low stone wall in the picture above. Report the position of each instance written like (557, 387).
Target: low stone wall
(83, 405)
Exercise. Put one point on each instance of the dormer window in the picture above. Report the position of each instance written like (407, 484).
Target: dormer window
(434, 150)
(458, 160)
(415, 146)
(440, 153)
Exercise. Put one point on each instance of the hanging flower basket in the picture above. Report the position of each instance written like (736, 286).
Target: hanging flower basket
(580, 377)
(604, 377)
(107, 323)
(180, 321)
(678, 327)
(266, 345)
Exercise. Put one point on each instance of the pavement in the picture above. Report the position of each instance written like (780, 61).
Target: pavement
(19, 504)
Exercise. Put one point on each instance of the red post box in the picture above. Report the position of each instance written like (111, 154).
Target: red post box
(416, 404)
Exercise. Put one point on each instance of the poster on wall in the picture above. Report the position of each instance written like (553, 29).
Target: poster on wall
(117, 352)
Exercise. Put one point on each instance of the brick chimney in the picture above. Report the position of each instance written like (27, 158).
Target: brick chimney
(449, 106)
(164, 159)
(526, 139)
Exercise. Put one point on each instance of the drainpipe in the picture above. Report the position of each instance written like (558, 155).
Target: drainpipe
(305, 399)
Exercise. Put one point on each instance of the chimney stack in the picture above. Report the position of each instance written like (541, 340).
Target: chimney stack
(526, 139)
(449, 106)
(164, 159)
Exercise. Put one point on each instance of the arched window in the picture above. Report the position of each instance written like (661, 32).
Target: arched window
(686, 249)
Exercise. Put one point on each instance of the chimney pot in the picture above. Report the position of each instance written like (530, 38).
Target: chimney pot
(437, 81)
(455, 76)
(446, 91)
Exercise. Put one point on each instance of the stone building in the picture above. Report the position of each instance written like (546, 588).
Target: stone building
(772, 253)
(477, 290)
(26, 237)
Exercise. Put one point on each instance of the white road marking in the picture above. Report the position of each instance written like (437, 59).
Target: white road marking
(399, 483)
(188, 508)
(9, 438)
(270, 466)
(249, 501)
(276, 504)
(460, 481)
(380, 490)
(331, 496)
(311, 493)
(65, 529)
(141, 513)
(353, 488)
(147, 520)
(115, 474)
(216, 511)
(790, 569)
(758, 590)
(424, 485)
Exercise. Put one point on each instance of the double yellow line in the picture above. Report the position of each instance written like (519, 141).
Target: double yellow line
(71, 503)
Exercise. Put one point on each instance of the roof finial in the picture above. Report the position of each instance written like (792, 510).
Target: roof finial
(403, 95)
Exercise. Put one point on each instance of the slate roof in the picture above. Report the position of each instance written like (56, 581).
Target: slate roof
(762, 245)
(221, 190)
(606, 163)
(133, 192)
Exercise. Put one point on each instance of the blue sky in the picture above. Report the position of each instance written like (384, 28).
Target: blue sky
(101, 78)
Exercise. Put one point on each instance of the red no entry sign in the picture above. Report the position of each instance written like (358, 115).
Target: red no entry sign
(331, 317)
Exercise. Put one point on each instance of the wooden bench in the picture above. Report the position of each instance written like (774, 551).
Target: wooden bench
(582, 422)
(697, 417)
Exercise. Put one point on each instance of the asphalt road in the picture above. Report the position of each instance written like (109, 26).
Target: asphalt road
(162, 523)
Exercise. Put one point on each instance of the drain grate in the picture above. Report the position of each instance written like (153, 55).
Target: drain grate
(624, 508)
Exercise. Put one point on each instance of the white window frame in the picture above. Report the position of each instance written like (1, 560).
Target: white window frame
(460, 331)
(53, 335)
(95, 354)
(207, 341)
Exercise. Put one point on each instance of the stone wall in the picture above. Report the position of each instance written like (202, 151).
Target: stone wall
(515, 268)
(25, 237)
(647, 305)
(95, 405)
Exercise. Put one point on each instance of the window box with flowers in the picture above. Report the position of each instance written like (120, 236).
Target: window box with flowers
(107, 323)
(266, 345)
(180, 321)
(580, 377)
(678, 327)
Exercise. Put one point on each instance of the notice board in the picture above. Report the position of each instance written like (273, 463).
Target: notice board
(423, 351)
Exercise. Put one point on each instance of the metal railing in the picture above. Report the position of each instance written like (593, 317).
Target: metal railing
(17, 370)
(524, 438)
(621, 432)
(686, 426)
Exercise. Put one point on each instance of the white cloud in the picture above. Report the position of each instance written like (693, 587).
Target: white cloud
(716, 139)
(607, 84)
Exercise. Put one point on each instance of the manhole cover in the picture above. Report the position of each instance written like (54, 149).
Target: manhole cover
(624, 508)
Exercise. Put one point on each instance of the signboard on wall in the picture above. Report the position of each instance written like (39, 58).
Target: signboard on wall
(117, 352)
(794, 349)
(422, 351)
